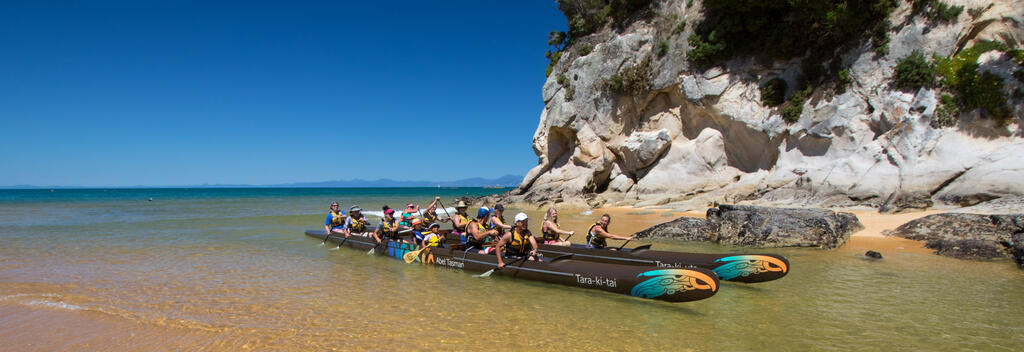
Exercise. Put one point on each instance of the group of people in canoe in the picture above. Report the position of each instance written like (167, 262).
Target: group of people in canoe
(487, 233)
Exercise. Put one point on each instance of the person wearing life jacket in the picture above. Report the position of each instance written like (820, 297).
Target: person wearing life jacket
(431, 238)
(517, 243)
(418, 233)
(335, 222)
(388, 227)
(430, 214)
(598, 234)
(356, 222)
(550, 233)
(477, 232)
(497, 220)
(460, 219)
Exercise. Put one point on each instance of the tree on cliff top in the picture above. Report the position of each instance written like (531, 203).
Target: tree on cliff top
(782, 29)
(589, 16)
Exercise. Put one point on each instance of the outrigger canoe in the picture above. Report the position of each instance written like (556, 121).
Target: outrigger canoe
(746, 268)
(665, 284)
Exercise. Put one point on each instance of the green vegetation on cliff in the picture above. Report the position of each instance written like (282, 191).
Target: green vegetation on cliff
(784, 29)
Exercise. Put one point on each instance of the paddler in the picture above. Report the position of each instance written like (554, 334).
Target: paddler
(497, 220)
(388, 228)
(598, 233)
(431, 238)
(477, 232)
(517, 243)
(460, 219)
(430, 214)
(417, 231)
(335, 222)
(550, 232)
(356, 222)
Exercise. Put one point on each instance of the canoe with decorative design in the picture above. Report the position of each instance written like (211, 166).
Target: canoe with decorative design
(666, 284)
(748, 268)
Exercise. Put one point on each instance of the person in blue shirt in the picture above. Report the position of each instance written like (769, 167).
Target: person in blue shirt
(335, 222)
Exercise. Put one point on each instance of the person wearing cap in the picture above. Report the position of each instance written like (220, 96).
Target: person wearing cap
(356, 223)
(417, 231)
(517, 243)
(478, 232)
(550, 233)
(335, 222)
(461, 219)
(388, 227)
(411, 210)
(598, 233)
(431, 238)
(497, 219)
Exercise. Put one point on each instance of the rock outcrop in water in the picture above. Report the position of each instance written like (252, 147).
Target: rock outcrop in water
(759, 226)
(969, 236)
(703, 135)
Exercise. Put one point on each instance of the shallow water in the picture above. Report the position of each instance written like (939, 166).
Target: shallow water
(232, 270)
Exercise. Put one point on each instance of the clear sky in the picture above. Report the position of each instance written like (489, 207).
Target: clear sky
(105, 93)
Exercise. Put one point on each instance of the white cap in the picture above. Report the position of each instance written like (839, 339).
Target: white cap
(521, 217)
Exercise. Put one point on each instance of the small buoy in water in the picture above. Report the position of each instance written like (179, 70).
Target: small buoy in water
(873, 254)
(150, 199)
(51, 191)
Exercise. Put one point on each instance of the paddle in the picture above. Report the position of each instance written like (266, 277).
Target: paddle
(624, 244)
(446, 213)
(412, 256)
(489, 272)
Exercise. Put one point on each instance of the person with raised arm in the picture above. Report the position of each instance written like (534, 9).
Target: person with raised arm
(598, 234)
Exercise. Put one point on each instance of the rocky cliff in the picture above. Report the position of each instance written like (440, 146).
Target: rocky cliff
(693, 135)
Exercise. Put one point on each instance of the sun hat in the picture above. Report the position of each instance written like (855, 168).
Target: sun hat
(410, 205)
(433, 225)
(521, 217)
(482, 212)
(416, 221)
(389, 211)
(354, 208)
(461, 204)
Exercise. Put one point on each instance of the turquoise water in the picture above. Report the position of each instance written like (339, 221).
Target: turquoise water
(229, 269)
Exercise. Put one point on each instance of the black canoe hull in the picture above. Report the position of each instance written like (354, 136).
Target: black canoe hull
(748, 268)
(666, 284)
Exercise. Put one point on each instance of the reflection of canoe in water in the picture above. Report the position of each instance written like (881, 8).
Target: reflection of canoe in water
(666, 284)
(732, 267)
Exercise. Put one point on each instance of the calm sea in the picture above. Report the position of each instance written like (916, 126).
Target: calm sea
(230, 269)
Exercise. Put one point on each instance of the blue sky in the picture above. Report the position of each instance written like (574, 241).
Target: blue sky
(99, 93)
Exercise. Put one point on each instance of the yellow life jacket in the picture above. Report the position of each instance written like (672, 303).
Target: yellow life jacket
(357, 225)
(595, 240)
(429, 217)
(519, 243)
(387, 229)
(480, 228)
(431, 239)
(337, 219)
(465, 223)
(548, 235)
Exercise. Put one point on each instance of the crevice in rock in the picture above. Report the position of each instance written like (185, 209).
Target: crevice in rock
(947, 182)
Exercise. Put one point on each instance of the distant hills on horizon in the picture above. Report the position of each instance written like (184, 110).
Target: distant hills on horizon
(503, 181)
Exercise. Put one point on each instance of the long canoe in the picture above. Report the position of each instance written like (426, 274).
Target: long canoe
(746, 268)
(666, 284)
